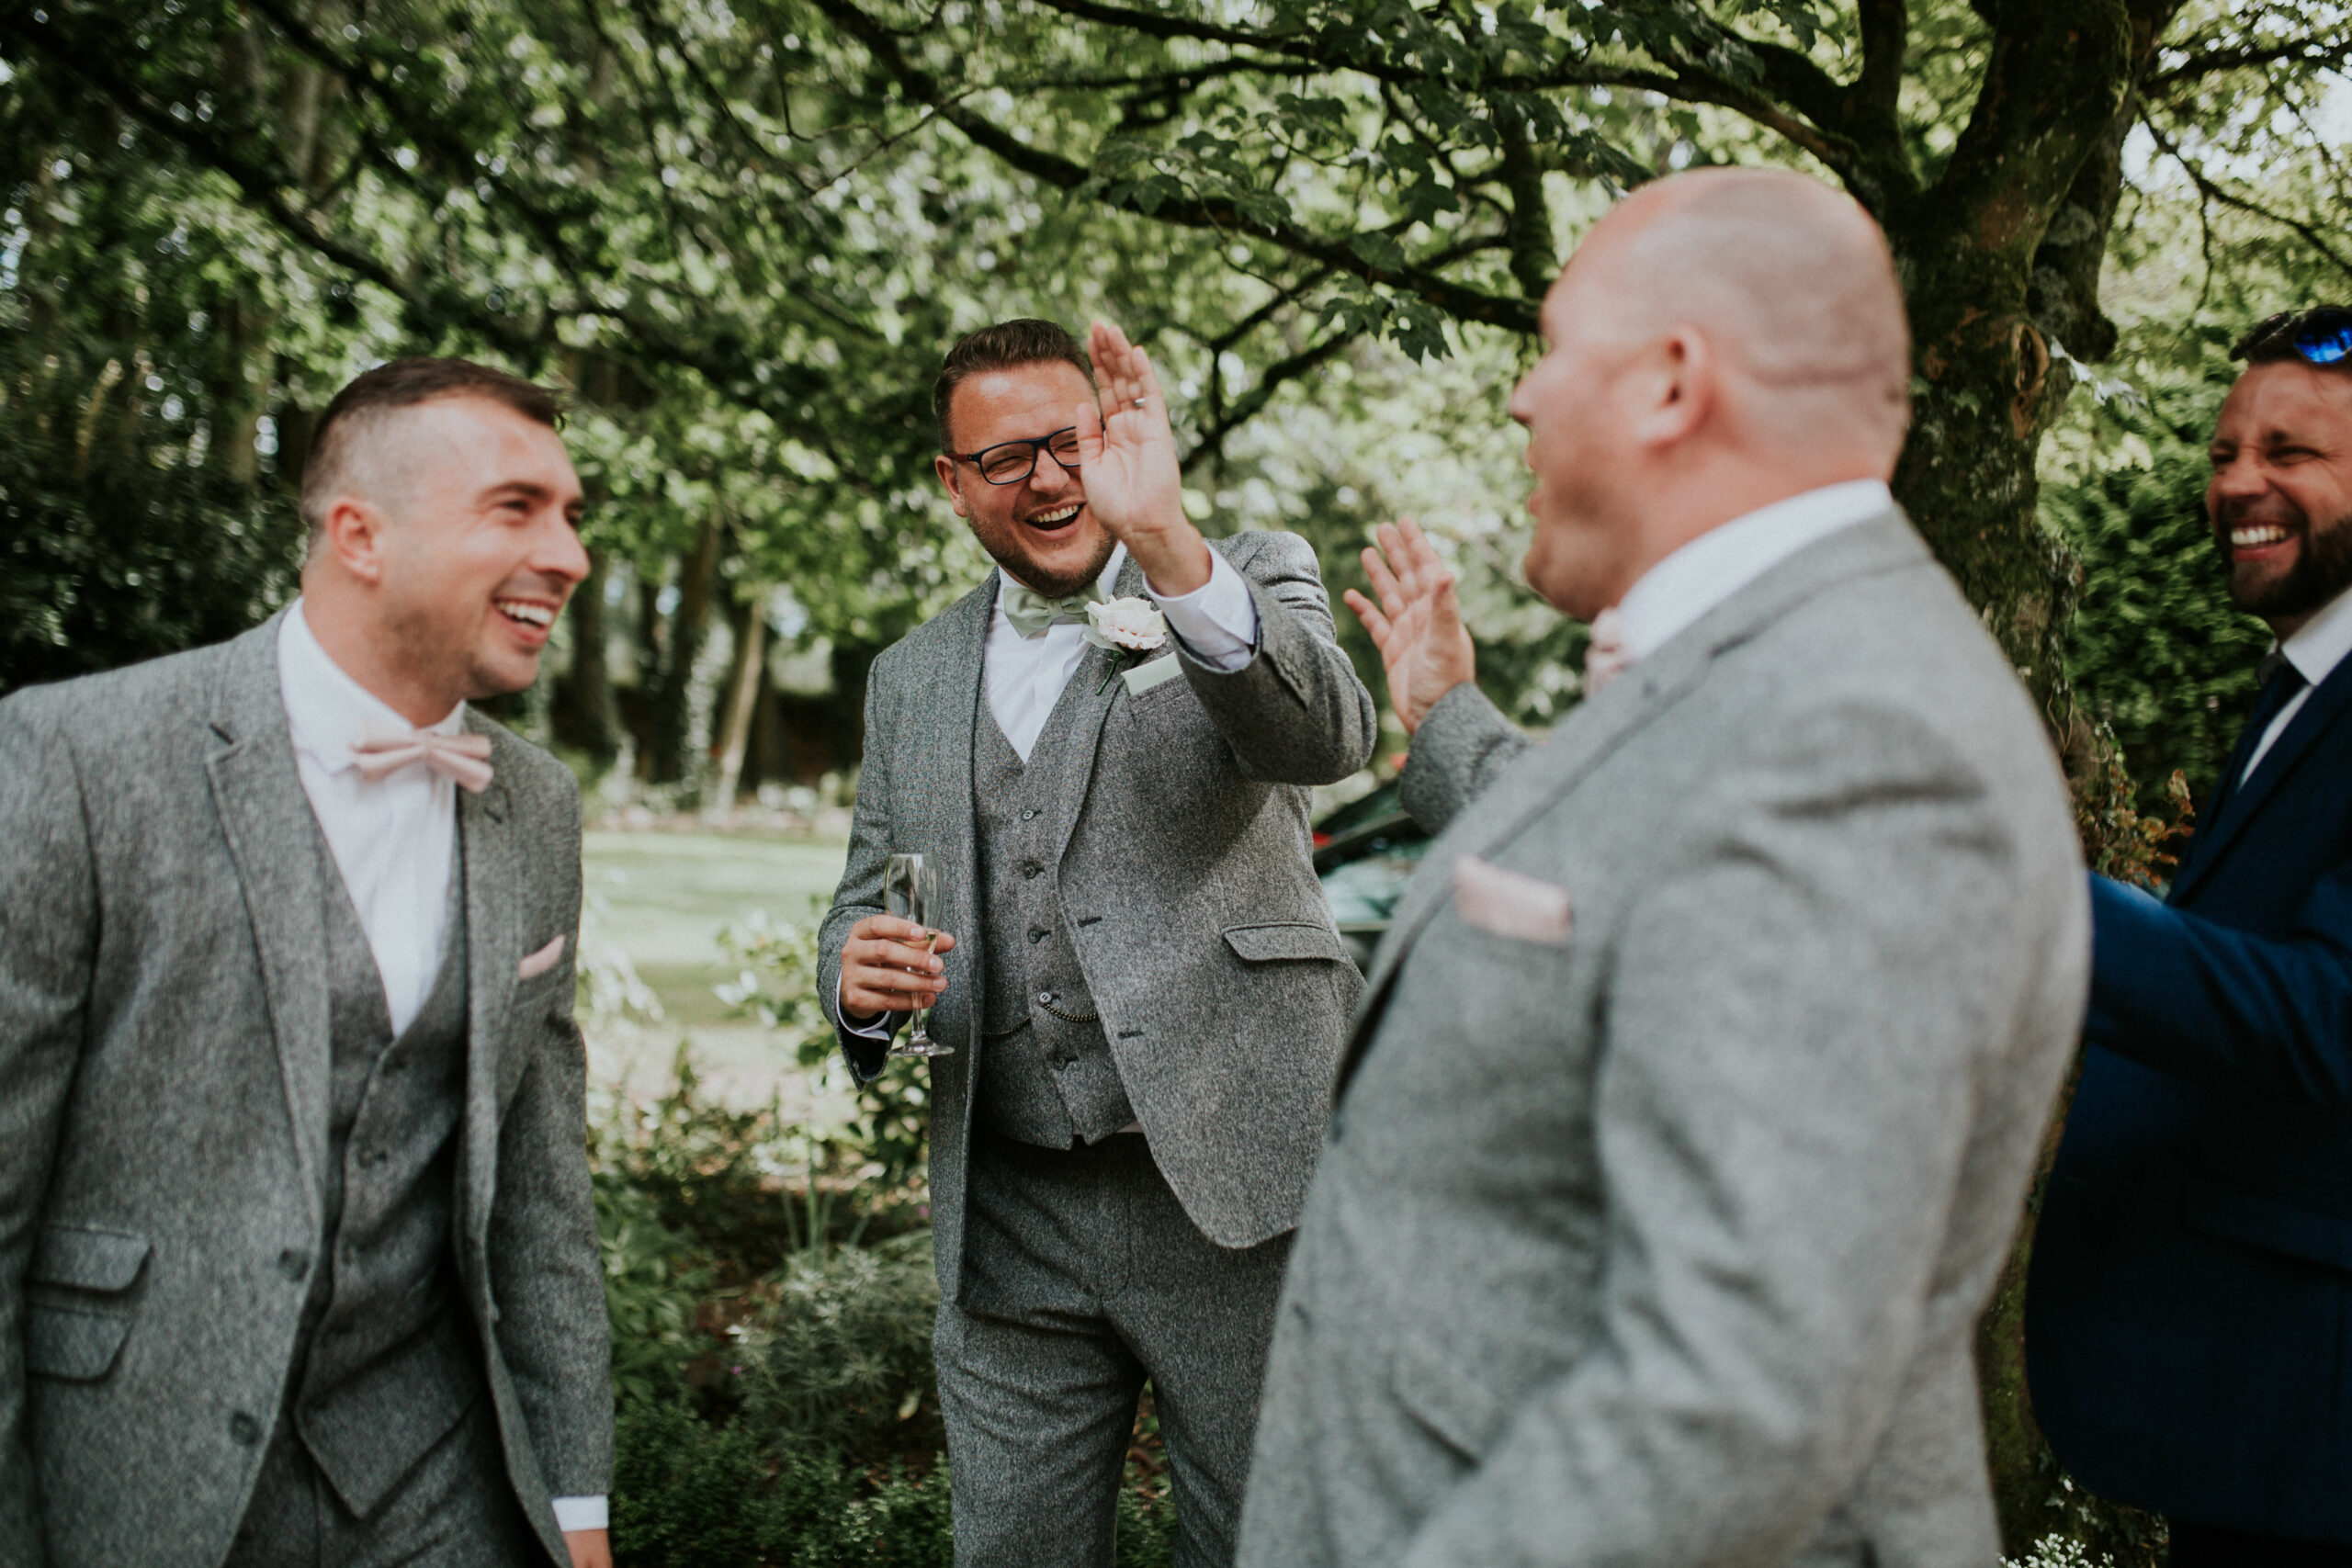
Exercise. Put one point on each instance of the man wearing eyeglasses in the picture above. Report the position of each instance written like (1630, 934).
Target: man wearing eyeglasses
(1141, 982)
(2189, 1315)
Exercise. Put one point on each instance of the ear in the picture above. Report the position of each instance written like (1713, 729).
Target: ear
(1679, 389)
(944, 467)
(354, 535)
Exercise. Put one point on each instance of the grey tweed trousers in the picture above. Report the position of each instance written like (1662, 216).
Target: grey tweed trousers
(1083, 1276)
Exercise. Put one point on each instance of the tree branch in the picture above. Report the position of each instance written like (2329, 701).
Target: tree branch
(1217, 215)
(2206, 185)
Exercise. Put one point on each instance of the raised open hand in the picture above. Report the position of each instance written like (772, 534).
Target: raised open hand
(1423, 644)
(1128, 456)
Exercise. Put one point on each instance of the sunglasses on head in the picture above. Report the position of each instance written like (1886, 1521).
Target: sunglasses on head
(2321, 335)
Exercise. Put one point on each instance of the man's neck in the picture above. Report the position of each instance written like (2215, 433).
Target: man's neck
(348, 637)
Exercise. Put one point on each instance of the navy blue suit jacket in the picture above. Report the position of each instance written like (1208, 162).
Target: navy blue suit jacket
(2188, 1321)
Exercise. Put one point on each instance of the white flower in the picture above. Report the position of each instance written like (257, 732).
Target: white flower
(1129, 623)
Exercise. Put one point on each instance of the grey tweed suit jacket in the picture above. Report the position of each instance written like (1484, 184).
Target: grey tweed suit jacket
(163, 1106)
(1664, 1242)
(1186, 869)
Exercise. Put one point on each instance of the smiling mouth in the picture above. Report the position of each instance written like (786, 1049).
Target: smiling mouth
(1059, 517)
(523, 612)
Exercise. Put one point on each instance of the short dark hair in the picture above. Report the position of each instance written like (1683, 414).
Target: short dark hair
(1024, 341)
(2305, 335)
(404, 383)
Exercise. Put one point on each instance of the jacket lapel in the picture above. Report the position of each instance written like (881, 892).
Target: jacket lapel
(1549, 771)
(493, 899)
(266, 819)
(958, 674)
(1095, 697)
(2236, 803)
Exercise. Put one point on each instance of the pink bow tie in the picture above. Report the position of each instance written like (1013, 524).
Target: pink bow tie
(1605, 656)
(464, 760)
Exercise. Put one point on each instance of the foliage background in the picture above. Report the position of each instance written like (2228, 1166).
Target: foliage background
(739, 233)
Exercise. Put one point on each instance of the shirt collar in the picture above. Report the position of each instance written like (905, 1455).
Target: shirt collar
(1107, 581)
(326, 711)
(2326, 638)
(1730, 556)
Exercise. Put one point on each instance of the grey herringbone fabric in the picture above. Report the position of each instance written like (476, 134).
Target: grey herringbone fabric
(1665, 1244)
(1083, 1276)
(1152, 865)
(1185, 862)
(166, 1082)
(383, 1366)
(448, 1511)
(1048, 1077)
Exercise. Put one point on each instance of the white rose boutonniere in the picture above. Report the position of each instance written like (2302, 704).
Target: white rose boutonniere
(1128, 625)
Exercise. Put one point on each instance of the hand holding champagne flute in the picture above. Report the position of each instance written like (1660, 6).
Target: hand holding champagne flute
(891, 962)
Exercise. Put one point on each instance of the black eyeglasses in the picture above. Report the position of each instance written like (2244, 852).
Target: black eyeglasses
(1010, 462)
(2321, 335)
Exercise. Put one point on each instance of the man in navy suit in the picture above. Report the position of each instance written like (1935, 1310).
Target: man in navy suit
(2188, 1325)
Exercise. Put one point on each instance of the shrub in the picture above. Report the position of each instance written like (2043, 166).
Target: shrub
(841, 1357)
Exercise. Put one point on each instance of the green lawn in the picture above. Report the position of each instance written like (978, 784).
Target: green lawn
(663, 896)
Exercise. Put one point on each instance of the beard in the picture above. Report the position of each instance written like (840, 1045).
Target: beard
(1005, 547)
(2322, 569)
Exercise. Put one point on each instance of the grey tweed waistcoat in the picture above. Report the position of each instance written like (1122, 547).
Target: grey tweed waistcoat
(1046, 1075)
(385, 1363)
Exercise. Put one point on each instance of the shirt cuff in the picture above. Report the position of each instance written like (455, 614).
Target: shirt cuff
(879, 1029)
(1217, 621)
(581, 1513)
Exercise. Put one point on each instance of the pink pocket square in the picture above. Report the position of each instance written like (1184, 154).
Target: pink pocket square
(1508, 903)
(540, 963)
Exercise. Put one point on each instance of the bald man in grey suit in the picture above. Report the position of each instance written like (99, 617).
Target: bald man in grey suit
(1683, 1129)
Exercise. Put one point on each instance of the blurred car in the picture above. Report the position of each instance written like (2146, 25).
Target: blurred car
(1365, 852)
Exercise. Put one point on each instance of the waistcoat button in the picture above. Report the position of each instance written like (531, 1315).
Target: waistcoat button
(1038, 933)
(1031, 868)
(244, 1429)
(293, 1263)
(1027, 812)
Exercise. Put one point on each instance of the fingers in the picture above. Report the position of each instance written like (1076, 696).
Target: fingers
(1374, 621)
(1383, 581)
(1123, 374)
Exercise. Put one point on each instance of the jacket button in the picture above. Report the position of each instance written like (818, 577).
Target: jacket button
(1038, 933)
(1031, 868)
(244, 1429)
(371, 1156)
(1028, 813)
(293, 1263)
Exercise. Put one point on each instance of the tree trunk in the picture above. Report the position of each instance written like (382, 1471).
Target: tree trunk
(586, 714)
(689, 628)
(735, 731)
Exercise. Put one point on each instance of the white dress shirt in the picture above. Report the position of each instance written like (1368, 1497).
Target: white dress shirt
(395, 838)
(2314, 651)
(1727, 558)
(395, 841)
(1217, 624)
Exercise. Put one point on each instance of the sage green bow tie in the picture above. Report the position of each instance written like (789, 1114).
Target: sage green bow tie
(1031, 612)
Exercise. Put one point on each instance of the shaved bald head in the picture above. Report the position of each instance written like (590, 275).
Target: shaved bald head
(1791, 281)
(1722, 339)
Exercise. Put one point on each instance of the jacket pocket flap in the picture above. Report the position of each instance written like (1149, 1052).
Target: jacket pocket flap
(2266, 1223)
(84, 1258)
(1453, 1405)
(1289, 939)
(66, 1342)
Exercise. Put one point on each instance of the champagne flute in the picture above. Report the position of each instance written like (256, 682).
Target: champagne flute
(910, 891)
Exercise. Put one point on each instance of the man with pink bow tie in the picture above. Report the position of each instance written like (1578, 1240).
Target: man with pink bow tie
(298, 1259)
(1686, 1118)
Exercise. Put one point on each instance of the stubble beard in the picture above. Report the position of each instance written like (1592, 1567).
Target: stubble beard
(1007, 553)
(2322, 568)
